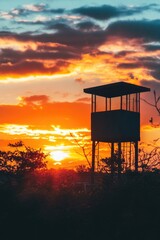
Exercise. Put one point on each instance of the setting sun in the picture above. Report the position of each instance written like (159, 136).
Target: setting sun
(58, 155)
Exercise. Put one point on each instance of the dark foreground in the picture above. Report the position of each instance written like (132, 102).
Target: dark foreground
(48, 206)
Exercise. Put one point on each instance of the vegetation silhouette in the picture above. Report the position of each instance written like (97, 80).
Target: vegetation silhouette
(111, 163)
(22, 159)
(47, 204)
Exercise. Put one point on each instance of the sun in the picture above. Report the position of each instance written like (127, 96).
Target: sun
(58, 155)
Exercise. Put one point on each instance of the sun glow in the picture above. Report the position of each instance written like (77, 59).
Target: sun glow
(58, 155)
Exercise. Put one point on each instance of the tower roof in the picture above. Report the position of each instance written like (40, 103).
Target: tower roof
(116, 89)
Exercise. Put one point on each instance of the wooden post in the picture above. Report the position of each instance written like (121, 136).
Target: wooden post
(129, 102)
(106, 105)
(110, 104)
(126, 102)
(136, 156)
(139, 102)
(121, 104)
(119, 160)
(92, 103)
(130, 155)
(112, 159)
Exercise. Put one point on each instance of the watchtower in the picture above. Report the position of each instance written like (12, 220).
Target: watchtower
(117, 121)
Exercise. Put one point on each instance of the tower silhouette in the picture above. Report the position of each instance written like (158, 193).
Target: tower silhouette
(117, 121)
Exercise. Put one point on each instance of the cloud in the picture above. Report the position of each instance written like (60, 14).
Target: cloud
(26, 68)
(79, 80)
(148, 30)
(23, 12)
(66, 46)
(41, 53)
(51, 113)
(88, 26)
(149, 64)
(45, 53)
(152, 47)
(35, 7)
(106, 12)
(129, 65)
(34, 100)
(5, 15)
(76, 38)
(154, 85)
(63, 34)
(84, 100)
(29, 9)
(155, 74)
(31, 14)
(152, 65)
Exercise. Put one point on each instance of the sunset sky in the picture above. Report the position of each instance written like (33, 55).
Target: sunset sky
(52, 50)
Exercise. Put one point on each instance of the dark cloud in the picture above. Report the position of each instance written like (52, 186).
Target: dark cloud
(77, 38)
(88, 26)
(155, 74)
(154, 85)
(59, 26)
(152, 65)
(141, 29)
(61, 46)
(132, 76)
(152, 47)
(63, 35)
(102, 12)
(123, 53)
(53, 53)
(151, 62)
(33, 67)
(129, 65)
(89, 35)
(106, 12)
(58, 10)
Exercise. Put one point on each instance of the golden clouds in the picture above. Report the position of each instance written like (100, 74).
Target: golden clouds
(25, 58)
(35, 100)
(58, 142)
(41, 123)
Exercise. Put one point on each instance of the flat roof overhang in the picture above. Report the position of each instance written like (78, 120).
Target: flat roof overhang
(116, 89)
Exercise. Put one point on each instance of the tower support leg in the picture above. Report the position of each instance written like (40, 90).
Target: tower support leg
(112, 159)
(136, 156)
(119, 160)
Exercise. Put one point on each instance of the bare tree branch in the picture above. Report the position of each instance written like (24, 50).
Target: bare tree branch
(156, 102)
(83, 148)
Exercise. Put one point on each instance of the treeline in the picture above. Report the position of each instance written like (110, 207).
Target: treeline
(48, 204)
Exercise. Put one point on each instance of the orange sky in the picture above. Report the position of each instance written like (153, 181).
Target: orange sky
(50, 54)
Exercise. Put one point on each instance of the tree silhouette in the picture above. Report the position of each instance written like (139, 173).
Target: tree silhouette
(156, 102)
(85, 149)
(22, 159)
(150, 160)
(156, 105)
(111, 164)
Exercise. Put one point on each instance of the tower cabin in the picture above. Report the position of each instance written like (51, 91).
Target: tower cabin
(115, 117)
